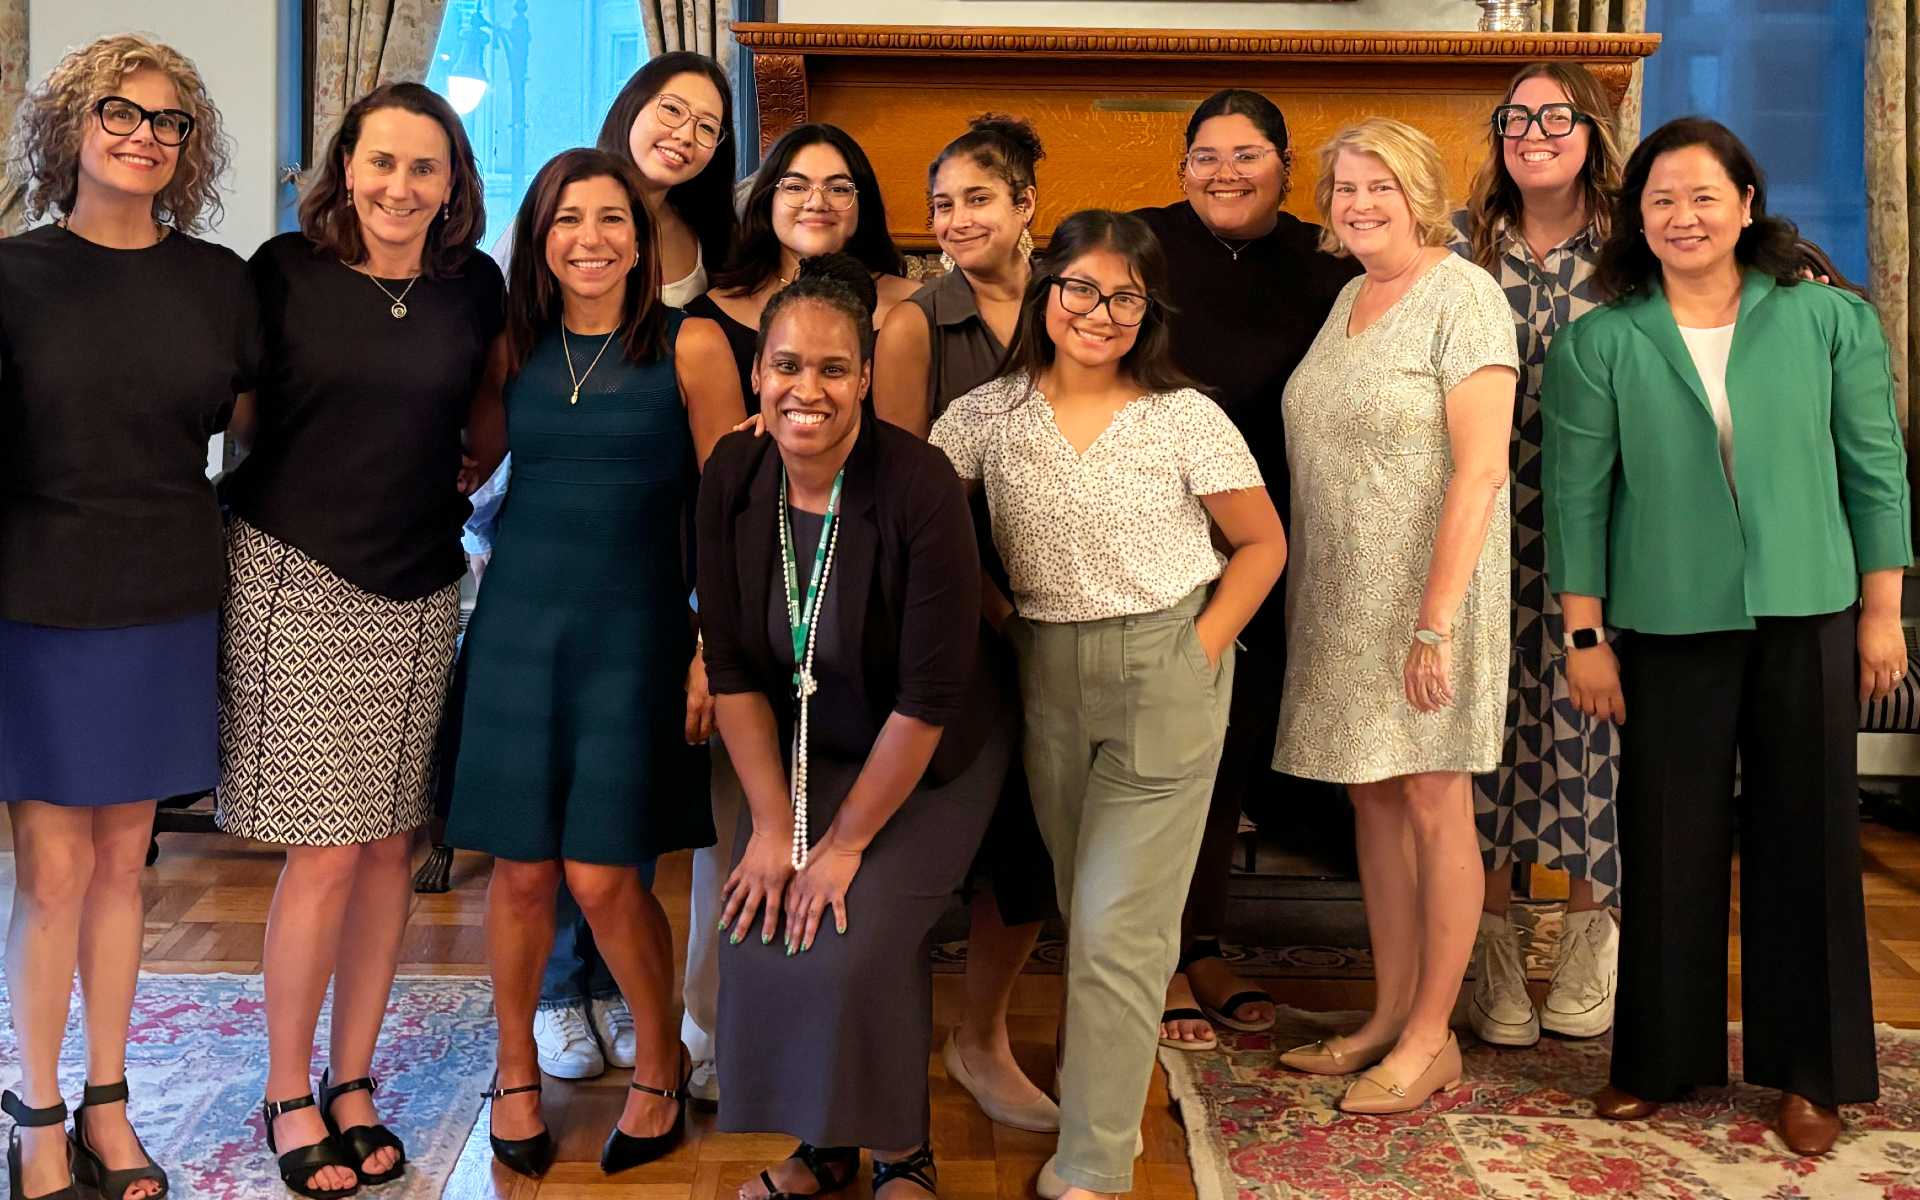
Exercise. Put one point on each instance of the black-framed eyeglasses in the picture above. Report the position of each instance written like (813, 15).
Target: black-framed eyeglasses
(675, 112)
(1205, 164)
(120, 116)
(794, 192)
(1512, 121)
(1081, 298)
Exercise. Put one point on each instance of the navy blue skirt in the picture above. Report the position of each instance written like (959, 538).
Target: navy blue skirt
(90, 717)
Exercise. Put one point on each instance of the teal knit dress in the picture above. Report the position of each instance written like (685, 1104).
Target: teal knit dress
(572, 738)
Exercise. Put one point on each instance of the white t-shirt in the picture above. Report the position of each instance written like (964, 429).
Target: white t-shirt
(1710, 349)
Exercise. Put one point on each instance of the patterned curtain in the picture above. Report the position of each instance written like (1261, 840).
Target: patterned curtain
(360, 44)
(13, 85)
(1893, 202)
(703, 26)
(1604, 16)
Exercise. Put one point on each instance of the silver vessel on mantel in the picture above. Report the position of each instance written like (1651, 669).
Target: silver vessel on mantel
(1509, 16)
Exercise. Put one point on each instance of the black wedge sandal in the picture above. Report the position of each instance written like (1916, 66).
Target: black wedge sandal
(32, 1118)
(298, 1166)
(362, 1141)
(524, 1156)
(917, 1168)
(89, 1168)
(623, 1151)
(834, 1168)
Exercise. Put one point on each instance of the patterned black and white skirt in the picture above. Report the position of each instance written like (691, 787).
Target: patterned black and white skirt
(330, 699)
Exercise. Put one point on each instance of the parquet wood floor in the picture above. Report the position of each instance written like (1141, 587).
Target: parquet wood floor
(206, 909)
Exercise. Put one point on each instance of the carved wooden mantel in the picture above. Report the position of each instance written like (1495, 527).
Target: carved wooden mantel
(1111, 104)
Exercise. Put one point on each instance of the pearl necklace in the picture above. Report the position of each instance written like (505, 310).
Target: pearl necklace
(804, 682)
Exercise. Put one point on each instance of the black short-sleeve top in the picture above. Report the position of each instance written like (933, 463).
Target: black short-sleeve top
(116, 368)
(741, 339)
(357, 452)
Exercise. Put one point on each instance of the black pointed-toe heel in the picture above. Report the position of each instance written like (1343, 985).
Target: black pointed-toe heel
(89, 1168)
(624, 1151)
(32, 1118)
(298, 1166)
(916, 1168)
(525, 1156)
(362, 1141)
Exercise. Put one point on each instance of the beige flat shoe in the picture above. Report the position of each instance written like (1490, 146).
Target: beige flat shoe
(1035, 1116)
(1376, 1093)
(1323, 1058)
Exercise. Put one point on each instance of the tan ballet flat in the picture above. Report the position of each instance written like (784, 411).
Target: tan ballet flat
(1377, 1093)
(1321, 1058)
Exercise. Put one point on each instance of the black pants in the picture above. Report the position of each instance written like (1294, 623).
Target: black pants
(1783, 696)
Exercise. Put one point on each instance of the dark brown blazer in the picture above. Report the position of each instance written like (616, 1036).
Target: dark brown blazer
(906, 545)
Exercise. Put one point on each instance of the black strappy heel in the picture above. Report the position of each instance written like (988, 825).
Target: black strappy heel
(89, 1168)
(525, 1156)
(362, 1141)
(298, 1166)
(623, 1151)
(833, 1168)
(32, 1118)
(916, 1168)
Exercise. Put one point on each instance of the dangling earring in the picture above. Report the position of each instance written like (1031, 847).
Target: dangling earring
(444, 210)
(946, 263)
(1025, 244)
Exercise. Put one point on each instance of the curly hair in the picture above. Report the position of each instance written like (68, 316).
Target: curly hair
(44, 159)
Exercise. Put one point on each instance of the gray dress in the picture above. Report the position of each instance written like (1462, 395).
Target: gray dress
(1367, 445)
(831, 1045)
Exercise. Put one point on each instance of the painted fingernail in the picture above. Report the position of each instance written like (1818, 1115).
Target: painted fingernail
(789, 949)
(766, 939)
(840, 926)
(722, 926)
(733, 940)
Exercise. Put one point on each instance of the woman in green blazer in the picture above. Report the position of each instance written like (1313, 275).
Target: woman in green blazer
(1725, 485)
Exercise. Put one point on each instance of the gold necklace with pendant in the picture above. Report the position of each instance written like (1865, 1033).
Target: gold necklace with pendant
(582, 377)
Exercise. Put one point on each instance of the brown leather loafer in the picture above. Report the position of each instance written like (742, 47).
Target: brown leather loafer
(1612, 1104)
(1807, 1128)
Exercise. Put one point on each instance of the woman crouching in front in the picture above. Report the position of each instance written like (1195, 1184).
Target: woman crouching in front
(840, 598)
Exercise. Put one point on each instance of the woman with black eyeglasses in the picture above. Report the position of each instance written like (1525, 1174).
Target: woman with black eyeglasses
(1106, 474)
(815, 194)
(1536, 218)
(124, 340)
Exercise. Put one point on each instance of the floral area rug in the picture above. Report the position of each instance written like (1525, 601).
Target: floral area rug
(197, 1061)
(1520, 1128)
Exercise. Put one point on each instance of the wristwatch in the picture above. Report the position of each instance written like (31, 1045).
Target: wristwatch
(1429, 637)
(1585, 639)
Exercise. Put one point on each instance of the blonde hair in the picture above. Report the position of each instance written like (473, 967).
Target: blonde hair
(1495, 199)
(44, 158)
(1414, 161)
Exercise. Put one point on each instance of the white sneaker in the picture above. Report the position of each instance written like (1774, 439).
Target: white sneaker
(1580, 1000)
(1500, 1009)
(565, 1044)
(613, 1026)
(704, 1084)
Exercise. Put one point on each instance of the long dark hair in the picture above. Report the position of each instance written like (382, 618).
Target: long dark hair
(704, 202)
(1495, 197)
(326, 212)
(533, 295)
(1627, 265)
(1817, 263)
(756, 253)
(1150, 361)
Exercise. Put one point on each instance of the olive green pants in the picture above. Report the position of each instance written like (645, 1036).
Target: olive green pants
(1124, 720)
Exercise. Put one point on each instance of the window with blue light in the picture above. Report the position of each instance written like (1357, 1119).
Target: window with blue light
(531, 78)
(1789, 77)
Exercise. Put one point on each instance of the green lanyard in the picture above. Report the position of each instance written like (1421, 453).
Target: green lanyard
(801, 622)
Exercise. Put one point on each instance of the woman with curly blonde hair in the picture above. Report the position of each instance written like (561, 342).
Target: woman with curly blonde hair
(124, 341)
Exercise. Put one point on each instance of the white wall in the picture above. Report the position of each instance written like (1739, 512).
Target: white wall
(236, 45)
(1140, 14)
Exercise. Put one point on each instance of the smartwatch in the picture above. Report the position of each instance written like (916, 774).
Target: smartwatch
(1585, 639)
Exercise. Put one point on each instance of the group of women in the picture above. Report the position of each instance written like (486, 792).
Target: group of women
(1026, 525)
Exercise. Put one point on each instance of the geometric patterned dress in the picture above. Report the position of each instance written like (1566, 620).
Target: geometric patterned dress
(1551, 800)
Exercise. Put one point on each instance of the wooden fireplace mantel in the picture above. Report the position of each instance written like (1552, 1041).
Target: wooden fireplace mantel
(1112, 104)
